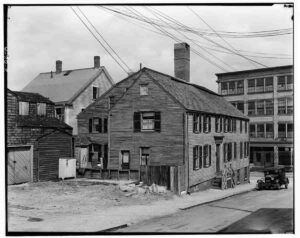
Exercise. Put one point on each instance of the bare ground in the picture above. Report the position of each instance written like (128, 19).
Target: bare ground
(35, 202)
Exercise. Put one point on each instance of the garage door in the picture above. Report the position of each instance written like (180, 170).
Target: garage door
(19, 162)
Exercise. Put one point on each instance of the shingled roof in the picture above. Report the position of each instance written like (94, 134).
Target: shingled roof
(194, 97)
(64, 87)
(41, 122)
(31, 97)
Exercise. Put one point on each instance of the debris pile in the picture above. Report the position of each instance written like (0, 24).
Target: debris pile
(141, 188)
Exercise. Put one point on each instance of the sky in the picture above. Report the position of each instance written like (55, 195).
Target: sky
(37, 36)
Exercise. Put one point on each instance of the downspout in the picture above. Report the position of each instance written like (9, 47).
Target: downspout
(186, 149)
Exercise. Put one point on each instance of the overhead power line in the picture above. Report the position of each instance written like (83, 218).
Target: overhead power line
(99, 41)
(251, 54)
(104, 39)
(135, 12)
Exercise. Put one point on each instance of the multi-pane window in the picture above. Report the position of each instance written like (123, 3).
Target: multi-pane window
(232, 87)
(269, 84)
(97, 124)
(251, 85)
(269, 107)
(261, 107)
(59, 113)
(217, 124)
(41, 109)
(285, 106)
(148, 121)
(251, 108)
(260, 130)
(23, 108)
(269, 130)
(240, 87)
(260, 85)
(125, 159)
(198, 155)
(224, 88)
(225, 124)
(201, 123)
(144, 156)
(207, 155)
(252, 131)
(285, 83)
(285, 130)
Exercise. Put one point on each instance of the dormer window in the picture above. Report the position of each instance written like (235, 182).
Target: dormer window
(143, 89)
(23, 108)
(95, 92)
(41, 109)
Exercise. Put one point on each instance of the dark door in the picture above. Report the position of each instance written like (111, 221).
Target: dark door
(217, 158)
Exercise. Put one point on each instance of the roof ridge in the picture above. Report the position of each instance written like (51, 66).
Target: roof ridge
(185, 82)
(101, 67)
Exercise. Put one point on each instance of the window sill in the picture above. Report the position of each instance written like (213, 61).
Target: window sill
(196, 169)
(250, 93)
(234, 94)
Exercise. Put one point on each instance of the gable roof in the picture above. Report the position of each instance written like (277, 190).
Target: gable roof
(65, 86)
(41, 121)
(30, 97)
(190, 96)
(194, 97)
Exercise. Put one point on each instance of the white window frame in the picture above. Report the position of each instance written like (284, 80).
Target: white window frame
(23, 108)
(41, 109)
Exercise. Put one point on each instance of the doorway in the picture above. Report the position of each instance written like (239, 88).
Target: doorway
(217, 158)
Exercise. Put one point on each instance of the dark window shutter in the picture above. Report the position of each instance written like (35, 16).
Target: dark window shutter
(100, 125)
(157, 121)
(209, 155)
(195, 123)
(105, 125)
(200, 157)
(216, 124)
(209, 125)
(200, 123)
(194, 157)
(221, 124)
(137, 121)
(90, 125)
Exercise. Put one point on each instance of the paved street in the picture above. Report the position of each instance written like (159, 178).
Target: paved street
(215, 216)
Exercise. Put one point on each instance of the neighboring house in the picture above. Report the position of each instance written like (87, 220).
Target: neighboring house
(35, 138)
(266, 96)
(157, 128)
(71, 90)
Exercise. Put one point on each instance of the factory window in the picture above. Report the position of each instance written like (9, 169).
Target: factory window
(252, 131)
(251, 85)
(260, 130)
(269, 130)
(240, 87)
(259, 85)
(269, 84)
(269, 107)
(224, 88)
(251, 108)
(285, 83)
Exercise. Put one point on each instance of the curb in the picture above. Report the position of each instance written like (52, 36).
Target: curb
(215, 200)
(113, 228)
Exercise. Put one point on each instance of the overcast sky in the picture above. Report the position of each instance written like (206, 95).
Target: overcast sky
(38, 36)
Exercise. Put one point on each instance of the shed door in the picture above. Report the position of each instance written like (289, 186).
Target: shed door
(48, 165)
(19, 164)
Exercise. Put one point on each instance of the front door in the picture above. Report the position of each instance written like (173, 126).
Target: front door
(217, 158)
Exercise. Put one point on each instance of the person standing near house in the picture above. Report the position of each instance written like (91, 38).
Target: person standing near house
(232, 174)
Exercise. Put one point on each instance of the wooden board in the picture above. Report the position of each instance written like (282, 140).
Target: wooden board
(19, 165)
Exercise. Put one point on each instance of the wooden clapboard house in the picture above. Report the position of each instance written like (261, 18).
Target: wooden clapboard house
(157, 128)
(35, 138)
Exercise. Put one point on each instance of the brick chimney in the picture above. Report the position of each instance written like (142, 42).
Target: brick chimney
(96, 61)
(182, 61)
(58, 66)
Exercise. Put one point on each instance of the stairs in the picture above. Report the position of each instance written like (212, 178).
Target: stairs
(217, 181)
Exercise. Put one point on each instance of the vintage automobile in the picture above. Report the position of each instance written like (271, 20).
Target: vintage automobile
(274, 178)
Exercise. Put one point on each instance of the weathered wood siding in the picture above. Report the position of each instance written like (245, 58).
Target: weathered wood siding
(166, 146)
(48, 150)
(85, 99)
(204, 174)
(100, 109)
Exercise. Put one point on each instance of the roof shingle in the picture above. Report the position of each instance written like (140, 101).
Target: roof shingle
(41, 121)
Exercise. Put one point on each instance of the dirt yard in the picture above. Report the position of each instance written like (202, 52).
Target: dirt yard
(31, 204)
